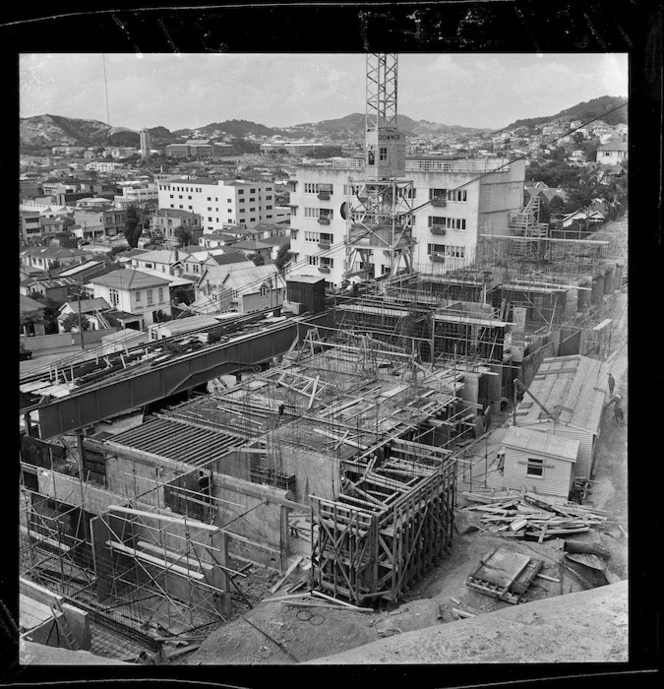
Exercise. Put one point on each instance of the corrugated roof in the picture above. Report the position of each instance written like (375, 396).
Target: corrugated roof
(574, 387)
(547, 444)
(230, 257)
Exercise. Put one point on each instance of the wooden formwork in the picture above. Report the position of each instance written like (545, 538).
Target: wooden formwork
(386, 528)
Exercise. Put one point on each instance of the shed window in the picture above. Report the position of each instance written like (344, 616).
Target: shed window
(535, 467)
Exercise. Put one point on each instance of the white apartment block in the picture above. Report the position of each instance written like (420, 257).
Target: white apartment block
(473, 197)
(221, 203)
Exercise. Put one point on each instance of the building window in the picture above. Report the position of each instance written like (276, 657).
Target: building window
(161, 294)
(457, 195)
(312, 260)
(535, 467)
(438, 194)
(138, 297)
(383, 153)
(149, 296)
(114, 296)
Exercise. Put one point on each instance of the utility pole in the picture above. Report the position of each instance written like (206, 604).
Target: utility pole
(80, 319)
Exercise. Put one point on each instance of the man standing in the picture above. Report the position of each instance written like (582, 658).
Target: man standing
(612, 384)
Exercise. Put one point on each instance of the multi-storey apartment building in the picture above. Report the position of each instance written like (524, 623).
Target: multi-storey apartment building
(470, 197)
(221, 203)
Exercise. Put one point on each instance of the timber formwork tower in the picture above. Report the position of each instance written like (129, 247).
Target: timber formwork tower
(380, 206)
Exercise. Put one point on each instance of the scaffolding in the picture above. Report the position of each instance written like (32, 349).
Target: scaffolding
(391, 522)
(161, 569)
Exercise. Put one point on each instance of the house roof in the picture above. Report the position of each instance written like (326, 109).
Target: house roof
(128, 279)
(573, 387)
(250, 245)
(230, 257)
(28, 305)
(130, 253)
(160, 256)
(250, 279)
(614, 146)
(547, 444)
(173, 280)
(49, 283)
(276, 241)
(87, 305)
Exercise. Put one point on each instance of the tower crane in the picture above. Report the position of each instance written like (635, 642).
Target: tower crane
(379, 207)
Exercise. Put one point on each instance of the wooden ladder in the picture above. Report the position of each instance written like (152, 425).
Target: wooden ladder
(63, 626)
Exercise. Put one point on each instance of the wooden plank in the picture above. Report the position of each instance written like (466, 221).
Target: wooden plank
(463, 613)
(176, 569)
(163, 517)
(289, 571)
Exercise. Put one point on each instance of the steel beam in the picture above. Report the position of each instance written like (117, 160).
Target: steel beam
(91, 405)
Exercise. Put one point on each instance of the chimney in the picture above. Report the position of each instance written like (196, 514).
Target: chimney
(176, 254)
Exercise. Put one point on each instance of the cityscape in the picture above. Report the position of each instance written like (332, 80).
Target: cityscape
(353, 370)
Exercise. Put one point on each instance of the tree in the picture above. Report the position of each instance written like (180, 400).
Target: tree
(183, 235)
(257, 258)
(70, 322)
(133, 225)
(283, 256)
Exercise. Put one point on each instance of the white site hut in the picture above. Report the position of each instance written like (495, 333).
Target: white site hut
(564, 405)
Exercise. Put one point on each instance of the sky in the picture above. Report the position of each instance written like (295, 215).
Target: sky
(189, 90)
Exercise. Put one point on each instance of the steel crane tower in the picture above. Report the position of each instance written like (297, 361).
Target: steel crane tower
(379, 206)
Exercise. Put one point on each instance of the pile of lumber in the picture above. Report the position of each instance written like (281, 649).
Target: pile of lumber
(532, 517)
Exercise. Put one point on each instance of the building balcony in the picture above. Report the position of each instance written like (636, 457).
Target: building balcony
(324, 245)
(323, 269)
(438, 203)
(324, 195)
(324, 220)
(436, 229)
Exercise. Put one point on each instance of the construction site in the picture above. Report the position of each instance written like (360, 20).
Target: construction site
(412, 447)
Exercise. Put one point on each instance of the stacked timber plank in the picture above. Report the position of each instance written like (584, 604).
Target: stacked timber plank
(532, 516)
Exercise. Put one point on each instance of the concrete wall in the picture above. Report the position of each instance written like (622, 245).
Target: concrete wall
(76, 618)
(43, 342)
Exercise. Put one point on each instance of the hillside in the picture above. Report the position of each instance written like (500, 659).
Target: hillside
(52, 130)
(585, 111)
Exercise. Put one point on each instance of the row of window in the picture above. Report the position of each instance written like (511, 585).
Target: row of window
(446, 250)
(114, 296)
(317, 237)
(322, 261)
(448, 194)
(447, 223)
(311, 188)
(318, 213)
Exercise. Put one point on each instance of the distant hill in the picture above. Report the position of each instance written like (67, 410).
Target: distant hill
(585, 111)
(44, 131)
(352, 126)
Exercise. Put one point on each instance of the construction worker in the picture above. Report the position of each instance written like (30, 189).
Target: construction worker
(612, 383)
(618, 410)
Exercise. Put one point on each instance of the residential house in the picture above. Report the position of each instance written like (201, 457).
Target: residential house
(276, 243)
(57, 289)
(135, 292)
(31, 313)
(255, 288)
(612, 153)
(166, 221)
(250, 248)
(92, 309)
(97, 221)
(591, 215)
(48, 258)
